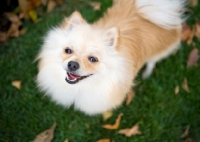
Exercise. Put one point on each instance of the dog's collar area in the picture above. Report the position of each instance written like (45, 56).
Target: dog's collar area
(73, 79)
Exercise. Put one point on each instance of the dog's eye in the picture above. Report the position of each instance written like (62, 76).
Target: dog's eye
(68, 51)
(92, 59)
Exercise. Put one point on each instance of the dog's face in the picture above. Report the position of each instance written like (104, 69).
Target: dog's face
(87, 49)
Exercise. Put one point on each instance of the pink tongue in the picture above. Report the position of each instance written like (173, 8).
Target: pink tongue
(73, 76)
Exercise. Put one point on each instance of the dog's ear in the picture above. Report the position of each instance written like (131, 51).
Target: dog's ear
(112, 35)
(74, 20)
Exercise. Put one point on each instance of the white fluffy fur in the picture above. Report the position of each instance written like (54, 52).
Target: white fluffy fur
(94, 94)
(164, 13)
(106, 88)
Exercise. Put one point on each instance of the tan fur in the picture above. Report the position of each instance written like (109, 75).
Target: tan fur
(140, 40)
(87, 65)
(66, 56)
(66, 21)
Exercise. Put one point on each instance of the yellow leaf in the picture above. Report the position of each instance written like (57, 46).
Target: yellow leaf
(107, 115)
(130, 131)
(66, 140)
(33, 15)
(115, 125)
(17, 84)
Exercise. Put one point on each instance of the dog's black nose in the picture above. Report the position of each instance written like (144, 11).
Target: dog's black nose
(73, 66)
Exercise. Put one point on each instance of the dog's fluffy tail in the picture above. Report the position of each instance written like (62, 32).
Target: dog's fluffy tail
(165, 13)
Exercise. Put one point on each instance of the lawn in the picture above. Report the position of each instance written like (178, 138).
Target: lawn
(162, 115)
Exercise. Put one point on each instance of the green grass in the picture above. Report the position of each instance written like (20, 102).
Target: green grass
(163, 116)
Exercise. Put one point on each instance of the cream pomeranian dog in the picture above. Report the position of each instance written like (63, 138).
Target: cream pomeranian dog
(93, 66)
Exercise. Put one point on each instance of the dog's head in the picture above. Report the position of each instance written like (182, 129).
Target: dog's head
(88, 50)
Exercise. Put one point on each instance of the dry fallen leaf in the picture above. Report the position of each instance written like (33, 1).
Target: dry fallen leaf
(3, 36)
(186, 30)
(59, 2)
(193, 2)
(33, 4)
(176, 91)
(185, 85)
(189, 41)
(187, 34)
(95, 5)
(17, 84)
(12, 17)
(66, 140)
(187, 140)
(107, 115)
(115, 1)
(130, 96)
(197, 30)
(104, 140)
(51, 5)
(131, 131)
(193, 58)
(33, 15)
(22, 31)
(47, 135)
(115, 125)
(23, 5)
(185, 133)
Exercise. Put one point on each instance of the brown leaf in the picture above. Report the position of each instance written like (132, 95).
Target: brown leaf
(3, 36)
(17, 84)
(13, 30)
(95, 5)
(59, 2)
(23, 5)
(187, 140)
(44, 2)
(104, 140)
(22, 31)
(185, 85)
(47, 135)
(130, 96)
(107, 115)
(193, 58)
(193, 2)
(51, 5)
(130, 131)
(186, 31)
(115, 125)
(176, 91)
(115, 1)
(185, 133)
(33, 4)
(197, 30)
(191, 36)
(12, 17)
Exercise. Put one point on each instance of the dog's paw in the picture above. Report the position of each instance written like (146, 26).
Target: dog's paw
(148, 70)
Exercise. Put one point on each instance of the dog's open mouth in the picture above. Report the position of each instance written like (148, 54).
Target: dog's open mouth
(72, 78)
